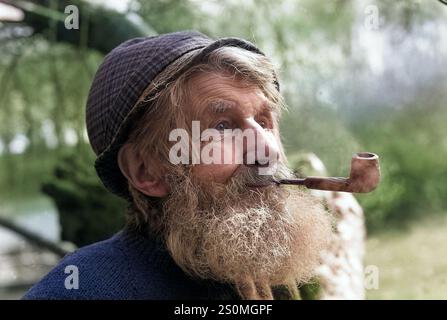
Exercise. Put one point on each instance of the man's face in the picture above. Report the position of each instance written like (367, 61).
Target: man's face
(216, 225)
(225, 104)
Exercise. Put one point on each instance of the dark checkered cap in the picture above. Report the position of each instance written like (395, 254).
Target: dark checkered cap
(120, 82)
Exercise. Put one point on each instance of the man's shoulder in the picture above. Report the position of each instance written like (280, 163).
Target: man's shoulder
(122, 267)
(97, 271)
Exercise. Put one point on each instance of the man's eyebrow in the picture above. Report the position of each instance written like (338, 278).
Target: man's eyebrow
(220, 106)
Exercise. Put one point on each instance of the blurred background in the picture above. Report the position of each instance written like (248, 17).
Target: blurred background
(365, 75)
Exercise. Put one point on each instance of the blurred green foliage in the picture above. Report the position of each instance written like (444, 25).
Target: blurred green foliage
(413, 149)
(87, 211)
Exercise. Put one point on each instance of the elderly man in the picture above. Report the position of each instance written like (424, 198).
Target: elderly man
(165, 115)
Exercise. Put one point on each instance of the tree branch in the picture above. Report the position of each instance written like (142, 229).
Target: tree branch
(33, 238)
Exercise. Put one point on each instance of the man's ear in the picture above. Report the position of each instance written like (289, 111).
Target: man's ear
(134, 169)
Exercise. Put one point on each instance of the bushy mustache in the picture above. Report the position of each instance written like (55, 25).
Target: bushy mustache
(248, 176)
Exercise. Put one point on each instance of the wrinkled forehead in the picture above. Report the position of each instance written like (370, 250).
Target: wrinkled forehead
(217, 93)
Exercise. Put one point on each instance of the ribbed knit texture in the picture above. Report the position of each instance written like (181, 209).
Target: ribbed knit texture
(126, 266)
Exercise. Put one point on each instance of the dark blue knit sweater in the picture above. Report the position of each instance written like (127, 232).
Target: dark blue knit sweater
(126, 266)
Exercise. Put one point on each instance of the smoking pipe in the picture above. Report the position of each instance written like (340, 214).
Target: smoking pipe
(364, 176)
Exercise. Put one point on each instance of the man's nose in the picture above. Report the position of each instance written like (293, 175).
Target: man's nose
(260, 145)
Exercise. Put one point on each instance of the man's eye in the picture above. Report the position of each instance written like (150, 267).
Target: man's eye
(222, 125)
(264, 123)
